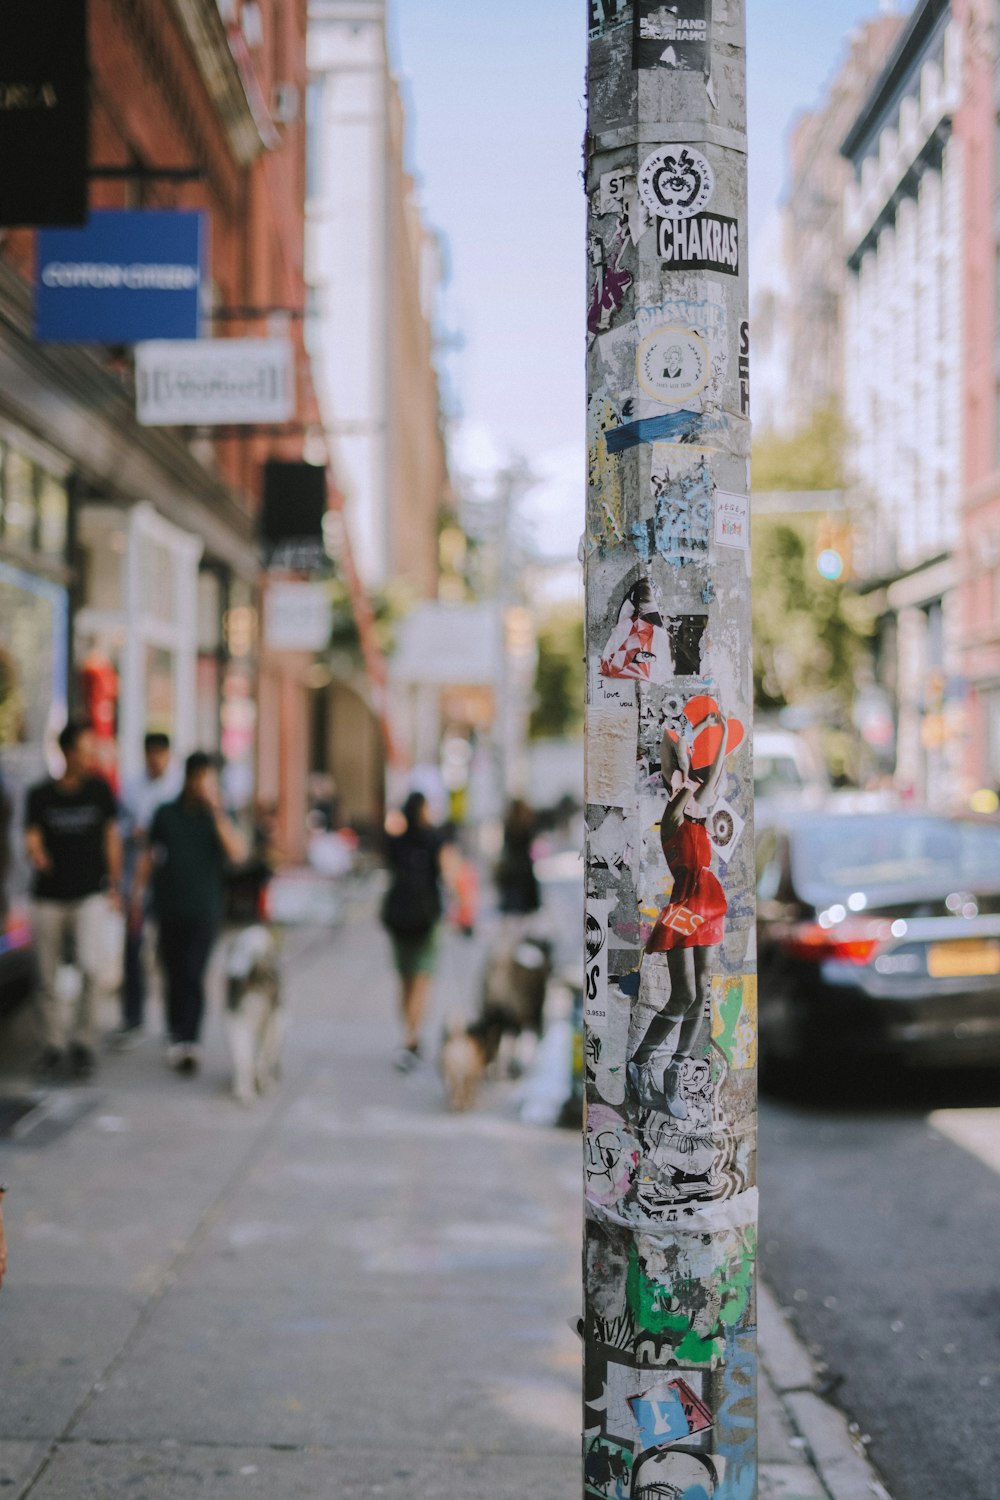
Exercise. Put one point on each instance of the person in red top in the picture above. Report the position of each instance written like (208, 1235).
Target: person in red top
(693, 921)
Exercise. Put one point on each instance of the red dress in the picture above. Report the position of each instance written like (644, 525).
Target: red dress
(696, 915)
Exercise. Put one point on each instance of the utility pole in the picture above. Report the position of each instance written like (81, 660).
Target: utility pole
(670, 984)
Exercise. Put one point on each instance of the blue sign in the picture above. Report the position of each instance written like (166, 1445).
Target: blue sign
(128, 275)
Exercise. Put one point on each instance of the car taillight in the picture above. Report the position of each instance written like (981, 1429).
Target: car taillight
(853, 941)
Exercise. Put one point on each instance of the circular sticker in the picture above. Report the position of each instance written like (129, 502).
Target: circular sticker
(676, 182)
(723, 827)
(673, 364)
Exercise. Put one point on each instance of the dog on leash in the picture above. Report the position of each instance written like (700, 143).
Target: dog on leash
(253, 1012)
(463, 1062)
(510, 1012)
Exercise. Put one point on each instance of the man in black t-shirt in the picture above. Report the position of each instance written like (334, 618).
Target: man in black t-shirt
(73, 844)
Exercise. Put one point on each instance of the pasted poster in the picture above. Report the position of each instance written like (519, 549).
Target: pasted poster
(674, 36)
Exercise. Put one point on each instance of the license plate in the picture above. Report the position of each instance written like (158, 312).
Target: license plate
(963, 960)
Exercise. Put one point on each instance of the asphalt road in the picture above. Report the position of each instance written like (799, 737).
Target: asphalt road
(881, 1231)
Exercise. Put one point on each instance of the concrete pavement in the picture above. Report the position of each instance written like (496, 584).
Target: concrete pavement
(343, 1292)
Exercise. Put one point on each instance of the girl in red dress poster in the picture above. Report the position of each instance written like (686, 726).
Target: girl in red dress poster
(673, 981)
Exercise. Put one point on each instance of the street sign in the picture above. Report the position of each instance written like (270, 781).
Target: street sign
(127, 276)
(297, 616)
(203, 382)
(43, 113)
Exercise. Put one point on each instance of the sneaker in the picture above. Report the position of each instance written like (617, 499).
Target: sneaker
(124, 1038)
(188, 1059)
(407, 1058)
(50, 1065)
(82, 1063)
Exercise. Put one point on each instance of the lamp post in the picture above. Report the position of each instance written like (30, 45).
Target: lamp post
(670, 984)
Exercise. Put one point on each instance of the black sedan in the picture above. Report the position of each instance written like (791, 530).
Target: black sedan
(879, 935)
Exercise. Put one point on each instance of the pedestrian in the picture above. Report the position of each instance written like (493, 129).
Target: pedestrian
(418, 859)
(74, 848)
(517, 884)
(158, 782)
(190, 845)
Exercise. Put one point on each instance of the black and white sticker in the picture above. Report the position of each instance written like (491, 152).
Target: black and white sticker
(676, 182)
(673, 364)
(674, 36)
(706, 242)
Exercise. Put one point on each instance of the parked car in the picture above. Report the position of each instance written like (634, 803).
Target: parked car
(786, 773)
(879, 934)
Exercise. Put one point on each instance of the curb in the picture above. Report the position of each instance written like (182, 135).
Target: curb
(836, 1454)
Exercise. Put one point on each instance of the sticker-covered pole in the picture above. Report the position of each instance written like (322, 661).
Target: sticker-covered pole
(670, 985)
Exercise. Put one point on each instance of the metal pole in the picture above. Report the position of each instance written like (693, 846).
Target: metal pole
(670, 985)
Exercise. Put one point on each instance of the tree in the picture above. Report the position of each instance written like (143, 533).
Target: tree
(811, 459)
(810, 633)
(557, 706)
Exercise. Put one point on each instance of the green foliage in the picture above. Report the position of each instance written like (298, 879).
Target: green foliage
(809, 635)
(389, 605)
(560, 682)
(811, 460)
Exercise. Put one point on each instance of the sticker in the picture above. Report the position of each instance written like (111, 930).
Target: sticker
(664, 1471)
(734, 1019)
(595, 1006)
(645, 646)
(682, 487)
(671, 426)
(725, 828)
(615, 188)
(605, 1049)
(669, 1413)
(612, 282)
(613, 844)
(732, 520)
(611, 1156)
(704, 242)
(744, 369)
(608, 692)
(605, 15)
(673, 36)
(638, 647)
(607, 1470)
(610, 759)
(672, 365)
(676, 182)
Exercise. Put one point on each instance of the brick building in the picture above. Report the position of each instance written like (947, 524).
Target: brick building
(128, 554)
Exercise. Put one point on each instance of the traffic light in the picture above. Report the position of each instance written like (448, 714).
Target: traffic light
(833, 549)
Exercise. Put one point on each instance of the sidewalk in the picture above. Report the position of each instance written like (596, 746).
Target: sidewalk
(344, 1292)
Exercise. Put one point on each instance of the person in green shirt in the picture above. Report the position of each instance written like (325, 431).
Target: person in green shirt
(190, 844)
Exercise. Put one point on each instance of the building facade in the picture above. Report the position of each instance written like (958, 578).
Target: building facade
(814, 250)
(375, 271)
(979, 546)
(904, 380)
(139, 543)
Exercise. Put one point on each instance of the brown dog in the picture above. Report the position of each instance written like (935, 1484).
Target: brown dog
(463, 1063)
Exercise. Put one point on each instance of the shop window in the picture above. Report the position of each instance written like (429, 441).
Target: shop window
(157, 580)
(19, 500)
(210, 611)
(160, 687)
(53, 512)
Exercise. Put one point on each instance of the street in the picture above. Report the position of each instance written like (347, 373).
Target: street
(343, 1290)
(879, 1216)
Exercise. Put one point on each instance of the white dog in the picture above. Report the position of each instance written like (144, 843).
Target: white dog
(253, 1012)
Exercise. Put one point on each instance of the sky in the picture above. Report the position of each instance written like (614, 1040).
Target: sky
(494, 91)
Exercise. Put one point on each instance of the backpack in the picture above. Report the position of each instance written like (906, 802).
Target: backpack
(412, 904)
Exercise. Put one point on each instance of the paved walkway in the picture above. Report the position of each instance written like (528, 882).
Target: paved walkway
(343, 1292)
